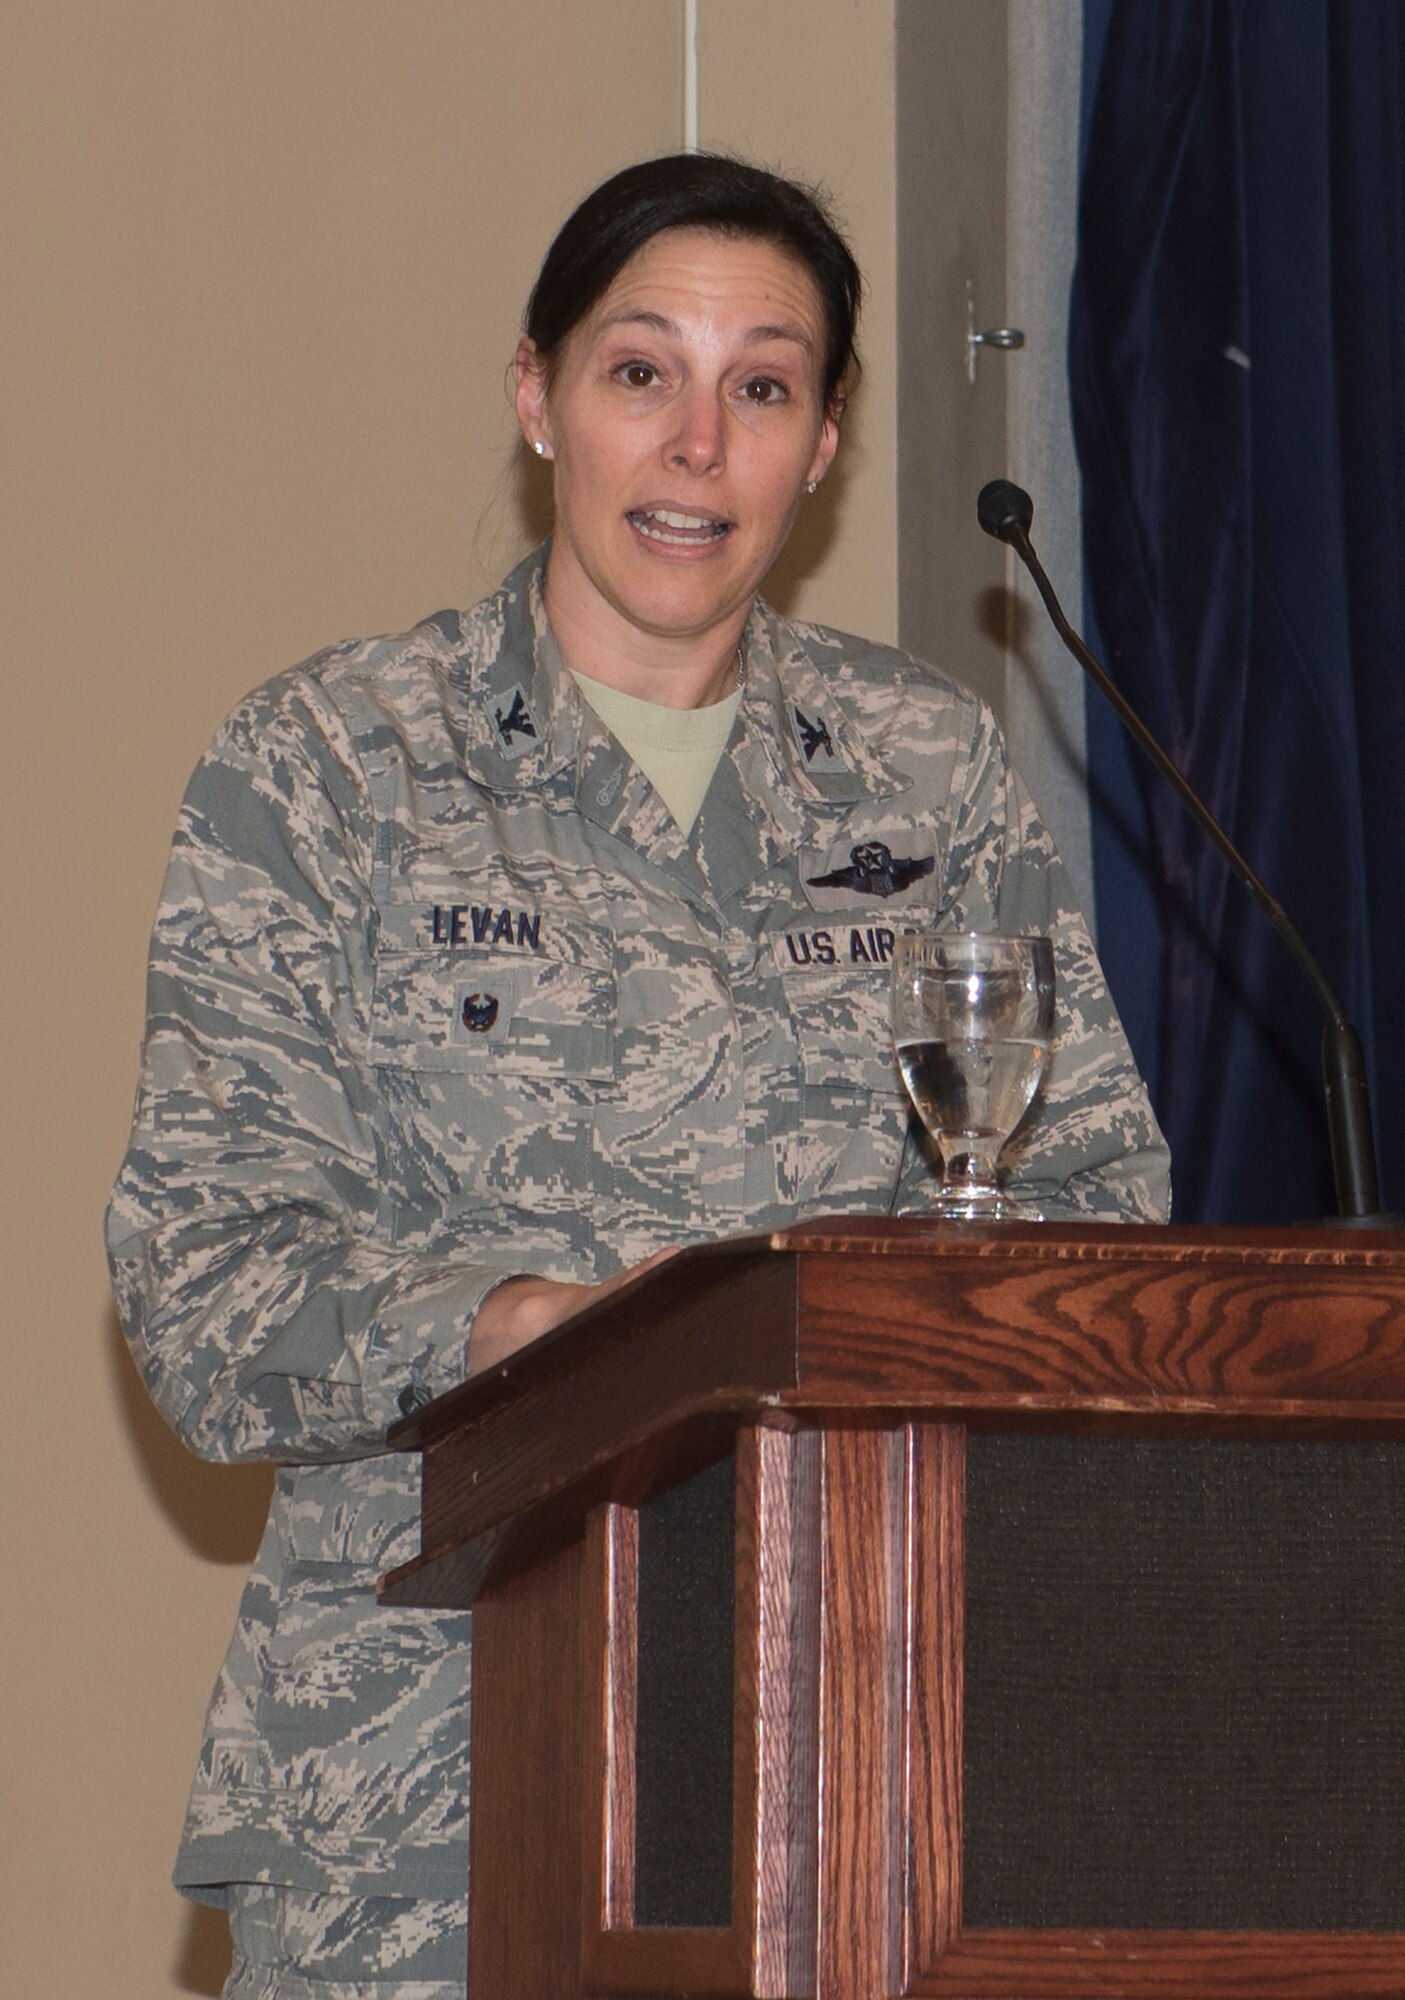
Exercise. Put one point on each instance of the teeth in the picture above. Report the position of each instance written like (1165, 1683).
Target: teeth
(687, 528)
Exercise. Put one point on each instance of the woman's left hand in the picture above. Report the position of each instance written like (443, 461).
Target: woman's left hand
(521, 1310)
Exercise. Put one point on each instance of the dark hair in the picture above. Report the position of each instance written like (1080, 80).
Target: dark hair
(695, 191)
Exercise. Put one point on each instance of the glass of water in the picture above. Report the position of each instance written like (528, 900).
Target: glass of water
(973, 1012)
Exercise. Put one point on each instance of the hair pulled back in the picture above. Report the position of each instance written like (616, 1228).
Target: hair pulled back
(695, 191)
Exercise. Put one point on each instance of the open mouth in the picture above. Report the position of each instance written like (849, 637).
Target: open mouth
(678, 530)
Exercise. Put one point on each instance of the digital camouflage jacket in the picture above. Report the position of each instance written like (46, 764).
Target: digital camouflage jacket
(439, 993)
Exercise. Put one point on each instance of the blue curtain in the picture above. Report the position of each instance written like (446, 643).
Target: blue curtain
(1237, 356)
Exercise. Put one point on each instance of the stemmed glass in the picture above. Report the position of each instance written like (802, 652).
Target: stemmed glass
(973, 1012)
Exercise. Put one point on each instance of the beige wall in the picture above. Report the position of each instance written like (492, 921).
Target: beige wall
(264, 264)
(808, 87)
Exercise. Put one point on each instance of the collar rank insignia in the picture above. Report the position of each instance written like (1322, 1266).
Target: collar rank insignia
(812, 737)
(512, 719)
(875, 871)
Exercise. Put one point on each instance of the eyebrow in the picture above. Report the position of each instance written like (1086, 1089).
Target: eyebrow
(782, 330)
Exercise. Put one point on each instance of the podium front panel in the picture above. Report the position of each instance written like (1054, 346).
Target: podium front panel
(684, 1674)
(1184, 1704)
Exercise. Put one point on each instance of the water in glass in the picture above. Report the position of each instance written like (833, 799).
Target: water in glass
(972, 1017)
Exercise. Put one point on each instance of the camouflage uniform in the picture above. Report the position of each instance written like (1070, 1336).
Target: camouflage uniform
(440, 993)
(292, 1944)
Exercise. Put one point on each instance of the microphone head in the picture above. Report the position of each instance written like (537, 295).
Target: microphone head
(1004, 509)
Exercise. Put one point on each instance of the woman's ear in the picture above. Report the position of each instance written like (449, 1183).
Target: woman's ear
(829, 434)
(828, 445)
(530, 398)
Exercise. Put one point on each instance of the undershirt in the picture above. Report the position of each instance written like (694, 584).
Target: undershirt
(677, 749)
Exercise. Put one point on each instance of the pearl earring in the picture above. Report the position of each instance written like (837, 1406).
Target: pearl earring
(811, 485)
(539, 447)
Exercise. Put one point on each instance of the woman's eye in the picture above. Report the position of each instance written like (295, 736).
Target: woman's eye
(764, 389)
(637, 374)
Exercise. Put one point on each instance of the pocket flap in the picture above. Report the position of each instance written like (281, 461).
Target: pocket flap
(539, 1017)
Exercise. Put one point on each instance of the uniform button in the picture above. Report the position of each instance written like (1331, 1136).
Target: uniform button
(412, 1398)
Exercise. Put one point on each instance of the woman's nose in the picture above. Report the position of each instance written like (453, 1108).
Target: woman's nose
(698, 442)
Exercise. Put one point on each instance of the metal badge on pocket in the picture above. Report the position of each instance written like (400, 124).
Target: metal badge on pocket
(479, 1011)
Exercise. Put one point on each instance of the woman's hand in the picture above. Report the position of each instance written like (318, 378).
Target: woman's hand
(520, 1310)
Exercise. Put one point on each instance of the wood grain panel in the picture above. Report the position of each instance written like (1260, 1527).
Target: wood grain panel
(778, 1628)
(643, 1965)
(1113, 1242)
(611, 1616)
(1166, 1965)
(459, 1558)
(529, 1826)
(1088, 1326)
(863, 1478)
(936, 1574)
(676, 1345)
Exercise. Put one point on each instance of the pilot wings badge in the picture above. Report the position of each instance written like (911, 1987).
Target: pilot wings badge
(874, 870)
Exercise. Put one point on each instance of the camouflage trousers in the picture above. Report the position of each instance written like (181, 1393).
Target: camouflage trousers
(290, 1944)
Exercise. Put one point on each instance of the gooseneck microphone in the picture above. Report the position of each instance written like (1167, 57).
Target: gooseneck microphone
(1006, 511)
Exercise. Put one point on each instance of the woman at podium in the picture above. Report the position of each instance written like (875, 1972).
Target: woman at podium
(499, 956)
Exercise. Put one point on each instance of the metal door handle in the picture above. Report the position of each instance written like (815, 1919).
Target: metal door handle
(1003, 337)
(997, 336)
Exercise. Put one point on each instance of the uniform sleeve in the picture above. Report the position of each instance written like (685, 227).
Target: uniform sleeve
(1090, 1149)
(270, 1315)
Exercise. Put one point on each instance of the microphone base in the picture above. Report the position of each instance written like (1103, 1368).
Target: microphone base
(1381, 1220)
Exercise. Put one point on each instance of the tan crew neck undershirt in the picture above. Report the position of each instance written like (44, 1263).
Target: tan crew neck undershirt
(677, 749)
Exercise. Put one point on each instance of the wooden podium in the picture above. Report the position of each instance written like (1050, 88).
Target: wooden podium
(844, 1365)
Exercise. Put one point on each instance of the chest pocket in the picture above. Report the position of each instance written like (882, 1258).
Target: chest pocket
(853, 1111)
(842, 1030)
(837, 979)
(490, 1067)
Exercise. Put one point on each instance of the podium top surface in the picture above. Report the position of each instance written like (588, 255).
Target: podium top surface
(866, 1321)
(856, 1311)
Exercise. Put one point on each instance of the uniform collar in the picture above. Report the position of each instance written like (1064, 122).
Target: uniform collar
(799, 755)
(528, 727)
(522, 717)
(809, 742)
